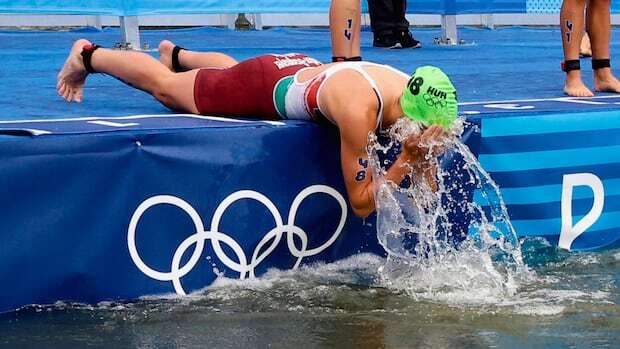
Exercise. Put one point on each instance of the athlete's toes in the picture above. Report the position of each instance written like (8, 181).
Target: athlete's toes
(61, 89)
(79, 96)
(67, 94)
(72, 95)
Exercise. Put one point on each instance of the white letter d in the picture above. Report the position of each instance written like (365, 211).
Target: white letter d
(569, 232)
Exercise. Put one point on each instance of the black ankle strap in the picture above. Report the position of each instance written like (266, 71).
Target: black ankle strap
(571, 65)
(346, 59)
(601, 63)
(87, 55)
(176, 66)
(353, 59)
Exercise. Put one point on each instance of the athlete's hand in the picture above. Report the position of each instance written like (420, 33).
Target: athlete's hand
(416, 147)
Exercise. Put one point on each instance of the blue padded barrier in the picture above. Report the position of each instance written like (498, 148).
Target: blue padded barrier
(454, 7)
(77, 188)
(163, 7)
(557, 162)
(553, 6)
(543, 6)
(159, 7)
(117, 208)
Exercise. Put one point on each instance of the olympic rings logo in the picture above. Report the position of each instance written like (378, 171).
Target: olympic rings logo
(435, 102)
(217, 238)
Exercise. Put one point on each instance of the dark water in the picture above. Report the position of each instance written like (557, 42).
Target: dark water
(573, 300)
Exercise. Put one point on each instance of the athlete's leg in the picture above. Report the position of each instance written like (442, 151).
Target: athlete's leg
(572, 23)
(134, 68)
(585, 49)
(599, 26)
(194, 60)
(344, 24)
(357, 28)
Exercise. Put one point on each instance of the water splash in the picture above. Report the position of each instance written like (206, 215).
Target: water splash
(444, 245)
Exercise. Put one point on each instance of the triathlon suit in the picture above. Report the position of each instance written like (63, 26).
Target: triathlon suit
(247, 88)
(268, 87)
(300, 100)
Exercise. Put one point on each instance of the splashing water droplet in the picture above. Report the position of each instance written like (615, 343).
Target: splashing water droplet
(453, 243)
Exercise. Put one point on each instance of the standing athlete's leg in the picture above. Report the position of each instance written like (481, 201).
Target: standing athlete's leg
(137, 69)
(382, 23)
(599, 26)
(344, 24)
(572, 23)
(356, 51)
(585, 49)
(188, 60)
(401, 26)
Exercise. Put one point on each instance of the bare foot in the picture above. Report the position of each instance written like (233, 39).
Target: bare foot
(165, 53)
(574, 86)
(70, 83)
(605, 81)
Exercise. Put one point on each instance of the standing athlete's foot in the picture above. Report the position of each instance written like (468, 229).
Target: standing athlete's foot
(605, 81)
(165, 53)
(575, 87)
(70, 83)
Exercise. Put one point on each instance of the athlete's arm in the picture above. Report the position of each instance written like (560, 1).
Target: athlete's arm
(356, 168)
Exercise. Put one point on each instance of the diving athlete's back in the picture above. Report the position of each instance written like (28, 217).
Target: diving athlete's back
(359, 87)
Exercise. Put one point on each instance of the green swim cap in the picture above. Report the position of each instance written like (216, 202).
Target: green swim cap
(430, 98)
